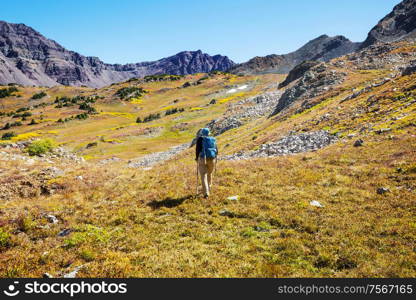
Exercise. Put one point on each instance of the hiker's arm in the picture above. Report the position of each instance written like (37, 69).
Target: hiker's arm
(198, 148)
(216, 146)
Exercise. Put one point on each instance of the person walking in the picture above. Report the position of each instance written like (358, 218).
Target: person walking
(206, 154)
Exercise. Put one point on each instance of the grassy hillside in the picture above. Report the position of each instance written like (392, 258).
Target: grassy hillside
(124, 222)
(113, 124)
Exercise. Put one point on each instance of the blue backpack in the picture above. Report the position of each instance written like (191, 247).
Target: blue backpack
(209, 147)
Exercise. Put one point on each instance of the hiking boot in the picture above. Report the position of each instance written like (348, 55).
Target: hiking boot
(206, 196)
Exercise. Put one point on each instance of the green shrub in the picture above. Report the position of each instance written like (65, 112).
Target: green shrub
(6, 92)
(39, 95)
(4, 239)
(8, 136)
(25, 223)
(87, 107)
(174, 111)
(87, 255)
(149, 118)
(22, 109)
(88, 234)
(82, 116)
(17, 123)
(162, 77)
(130, 92)
(41, 147)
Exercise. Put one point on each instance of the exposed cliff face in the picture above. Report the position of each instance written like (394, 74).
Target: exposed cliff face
(314, 82)
(323, 48)
(298, 72)
(398, 25)
(28, 58)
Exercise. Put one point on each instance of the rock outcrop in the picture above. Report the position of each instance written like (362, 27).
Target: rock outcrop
(243, 111)
(398, 25)
(291, 144)
(410, 68)
(298, 71)
(29, 58)
(314, 82)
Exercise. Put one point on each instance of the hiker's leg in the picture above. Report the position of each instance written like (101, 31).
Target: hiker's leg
(210, 167)
(203, 173)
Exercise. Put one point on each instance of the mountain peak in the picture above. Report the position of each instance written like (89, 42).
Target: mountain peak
(323, 36)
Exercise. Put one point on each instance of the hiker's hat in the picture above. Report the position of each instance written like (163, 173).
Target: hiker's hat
(205, 132)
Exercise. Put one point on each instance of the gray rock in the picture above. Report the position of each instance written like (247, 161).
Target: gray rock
(382, 190)
(74, 273)
(52, 219)
(157, 157)
(383, 130)
(65, 232)
(410, 68)
(52, 172)
(358, 143)
(109, 160)
(226, 213)
(260, 229)
(243, 111)
(291, 144)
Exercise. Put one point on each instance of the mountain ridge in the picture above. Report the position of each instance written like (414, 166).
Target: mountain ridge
(322, 48)
(29, 58)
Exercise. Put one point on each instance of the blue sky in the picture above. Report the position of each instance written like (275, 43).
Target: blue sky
(126, 31)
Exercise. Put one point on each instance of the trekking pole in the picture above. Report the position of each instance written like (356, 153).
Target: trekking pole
(197, 181)
(215, 170)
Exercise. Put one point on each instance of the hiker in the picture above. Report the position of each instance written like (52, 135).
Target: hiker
(206, 154)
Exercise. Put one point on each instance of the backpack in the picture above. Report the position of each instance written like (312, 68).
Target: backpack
(209, 147)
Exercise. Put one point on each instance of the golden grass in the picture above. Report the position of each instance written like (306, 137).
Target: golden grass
(150, 224)
(136, 223)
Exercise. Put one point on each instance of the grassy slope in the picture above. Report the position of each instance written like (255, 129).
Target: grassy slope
(115, 128)
(149, 223)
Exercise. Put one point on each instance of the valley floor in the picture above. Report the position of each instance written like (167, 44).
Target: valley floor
(131, 223)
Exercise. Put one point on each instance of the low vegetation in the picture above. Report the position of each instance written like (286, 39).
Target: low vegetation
(7, 92)
(39, 95)
(127, 93)
(162, 77)
(174, 111)
(40, 147)
(148, 118)
(8, 135)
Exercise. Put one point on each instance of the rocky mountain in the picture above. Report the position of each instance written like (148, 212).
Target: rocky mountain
(29, 58)
(398, 25)
(323, 48)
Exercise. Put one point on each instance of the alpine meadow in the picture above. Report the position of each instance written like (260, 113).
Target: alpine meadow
(315, 174)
